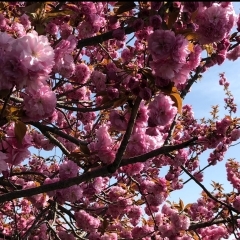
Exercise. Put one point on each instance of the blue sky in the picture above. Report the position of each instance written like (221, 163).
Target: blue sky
(204, 94)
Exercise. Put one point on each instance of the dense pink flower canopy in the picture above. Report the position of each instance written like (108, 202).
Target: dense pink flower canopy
(94, 132)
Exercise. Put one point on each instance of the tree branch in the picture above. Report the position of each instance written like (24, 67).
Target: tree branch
(210, 223)
(100, 172)
(86, 109)
(101, 38)
(55, 186)
(114, 166)
(44, 128)
(207, 192)
(56, 142)
(156, 152)
(191, 81)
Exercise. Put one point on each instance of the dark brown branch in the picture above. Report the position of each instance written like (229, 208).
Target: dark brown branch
(53, 231)
(64, 210)
(156, 152)
(27, 173)
(56, 142)
(44, 128)
(87, 109)
(55, 186)
(5, 183)
(103, 171)
(198, 172)
(233, 46)
(41, 215)
(66, 118)
(101, 38)
(5, 103)
(16, 99)
(115, 165)
(59, 5)
(210, 223)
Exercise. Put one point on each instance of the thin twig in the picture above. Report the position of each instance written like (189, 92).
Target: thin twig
(139, 189)
(44, 128)
(207, 192)
(56, 142)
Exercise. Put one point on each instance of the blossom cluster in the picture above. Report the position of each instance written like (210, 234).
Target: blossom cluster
(76, 90)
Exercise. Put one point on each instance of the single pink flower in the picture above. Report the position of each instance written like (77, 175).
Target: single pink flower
(161, 111)
(215, 23)
(234, 54)
(82, 73)
(161, 44)
(35, 52)
(68, 169)
(40, 104)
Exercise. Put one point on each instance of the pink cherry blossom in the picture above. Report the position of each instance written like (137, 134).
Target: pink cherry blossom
(118, 121)
(39, 104)
(82, 73)
(195, 57)
(161, 111)
(35, 52)
(85, 221)
(16, 156)
(92, 144)
(161, 44)
(65, 30)
(6, 41)
(85, 29)
(235, 134)
(98, 80)
(234, 54)
(68, 169)
(126, 55)
(15, 72)
(66, 236)
(71, 194)
(24, 19)
(215, 23)
(18, 29)
(52, 28)
(166, 69)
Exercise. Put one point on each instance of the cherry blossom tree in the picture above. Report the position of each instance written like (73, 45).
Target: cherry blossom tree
(89, 116)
